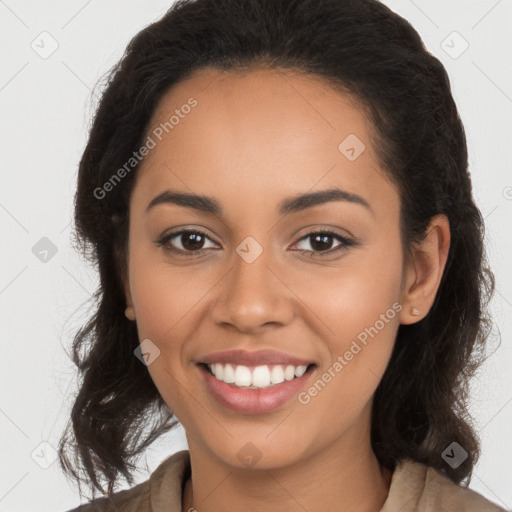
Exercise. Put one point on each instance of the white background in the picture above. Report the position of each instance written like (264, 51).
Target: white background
(46, 106)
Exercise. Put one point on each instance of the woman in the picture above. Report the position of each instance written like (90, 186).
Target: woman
(292, 266)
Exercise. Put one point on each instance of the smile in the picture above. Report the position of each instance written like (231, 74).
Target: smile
(257, 377)
(242, 396)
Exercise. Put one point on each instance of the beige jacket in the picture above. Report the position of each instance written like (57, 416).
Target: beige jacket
(414, 488)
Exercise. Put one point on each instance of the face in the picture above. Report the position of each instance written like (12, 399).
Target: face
(319, 282)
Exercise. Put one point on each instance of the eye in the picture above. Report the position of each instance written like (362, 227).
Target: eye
(188, 242)
(321, 242)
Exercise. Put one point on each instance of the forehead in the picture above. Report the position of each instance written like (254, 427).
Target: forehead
(260, 132)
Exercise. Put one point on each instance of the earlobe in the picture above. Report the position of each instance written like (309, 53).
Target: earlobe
(425, 271)
(130, 313)
(415, 311)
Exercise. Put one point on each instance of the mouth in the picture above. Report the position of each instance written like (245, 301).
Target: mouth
(256, 376)
(242, 397)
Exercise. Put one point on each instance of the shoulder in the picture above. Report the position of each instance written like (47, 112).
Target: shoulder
(440, 492)
(164, 484)
(129, 500)
(416, 487)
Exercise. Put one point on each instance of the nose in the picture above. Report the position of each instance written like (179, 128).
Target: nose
(253, 295)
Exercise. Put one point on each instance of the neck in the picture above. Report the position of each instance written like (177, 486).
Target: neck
(332, 479)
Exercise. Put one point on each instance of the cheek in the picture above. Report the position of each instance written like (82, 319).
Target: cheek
(158, 307)
(354, 296)
(359, 308)
(164, 300)
(164, 297)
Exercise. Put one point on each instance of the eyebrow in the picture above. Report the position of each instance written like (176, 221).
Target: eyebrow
(291, 205)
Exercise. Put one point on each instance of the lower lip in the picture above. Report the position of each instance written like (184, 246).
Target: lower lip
(254, 401)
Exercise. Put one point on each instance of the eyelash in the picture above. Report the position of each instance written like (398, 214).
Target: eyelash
(346, 243)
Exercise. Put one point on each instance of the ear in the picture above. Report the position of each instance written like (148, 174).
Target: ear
(424, 270)
(130, 311)
(121, 266)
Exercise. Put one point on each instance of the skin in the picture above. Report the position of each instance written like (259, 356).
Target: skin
(254, 139)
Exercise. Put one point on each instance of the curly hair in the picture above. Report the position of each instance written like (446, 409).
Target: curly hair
(357, 46)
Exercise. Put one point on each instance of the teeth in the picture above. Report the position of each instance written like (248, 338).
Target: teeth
(300, 371)
(277, 375)
(242, 376)
(227, 374)
(260, 377)
(289, 373)
(218, 370)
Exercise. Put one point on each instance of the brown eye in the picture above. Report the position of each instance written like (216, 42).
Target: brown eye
(192, 241)
(322, 242)
(185, 241)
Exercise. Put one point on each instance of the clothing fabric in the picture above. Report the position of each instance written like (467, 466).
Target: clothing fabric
(414, 488)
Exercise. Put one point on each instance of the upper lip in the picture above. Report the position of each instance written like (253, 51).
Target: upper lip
(261, 357)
